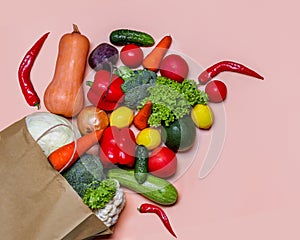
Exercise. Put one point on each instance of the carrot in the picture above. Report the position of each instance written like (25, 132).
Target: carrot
(153, 59)
(140, 120)
(63, 157)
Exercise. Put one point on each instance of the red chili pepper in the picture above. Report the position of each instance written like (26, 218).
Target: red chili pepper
(223, 66)
(25, 67)
(150, 208)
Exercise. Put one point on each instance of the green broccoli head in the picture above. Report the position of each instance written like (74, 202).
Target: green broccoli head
(86, 172)
(140, 77)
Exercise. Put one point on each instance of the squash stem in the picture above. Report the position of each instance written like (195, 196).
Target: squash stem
(75, 29)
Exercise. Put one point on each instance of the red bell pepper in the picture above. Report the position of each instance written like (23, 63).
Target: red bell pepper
(117, 147)
(105, 92)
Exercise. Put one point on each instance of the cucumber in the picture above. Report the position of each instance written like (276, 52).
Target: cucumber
(155, 189)
(121, 37)
(141, 163)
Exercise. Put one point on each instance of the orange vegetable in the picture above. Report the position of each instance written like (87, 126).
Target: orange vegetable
(140, 120)
(153, 59)
(64, 95)
(64, 156)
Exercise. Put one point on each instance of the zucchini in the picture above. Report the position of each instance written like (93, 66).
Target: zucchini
(141, 163)
(121, 37)
(155, 189)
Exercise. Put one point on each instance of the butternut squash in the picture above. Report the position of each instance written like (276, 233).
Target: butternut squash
(64, 94)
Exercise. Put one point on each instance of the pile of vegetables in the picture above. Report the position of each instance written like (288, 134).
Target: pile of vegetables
(138, 117)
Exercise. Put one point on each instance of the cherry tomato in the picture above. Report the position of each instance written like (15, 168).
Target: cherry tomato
(162, 162)
(216, 91)
(174, 67)
(131, 55)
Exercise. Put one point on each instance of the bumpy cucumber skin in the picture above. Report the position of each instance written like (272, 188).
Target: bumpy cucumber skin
(141, 164)
(156, 189)
(121, 37)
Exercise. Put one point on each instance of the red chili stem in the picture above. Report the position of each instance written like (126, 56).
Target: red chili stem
(25, 67)
(150, 208)
(224, 66)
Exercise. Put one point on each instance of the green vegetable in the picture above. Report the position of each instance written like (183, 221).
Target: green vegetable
(188, 88)
(121, 37)
(135, 78)
(136, 84)
(86, 173)
(97, 198)
(179, 135)
(172, 100)
(124, 72)
(134, 97)
(141, 163)
(168, 105)
(154, 188)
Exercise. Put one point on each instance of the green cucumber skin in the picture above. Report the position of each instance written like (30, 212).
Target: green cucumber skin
(141, 164)
(155, 189)
(123, 37)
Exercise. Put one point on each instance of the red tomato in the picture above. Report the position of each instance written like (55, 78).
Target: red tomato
(174, 67)
(131, 55)
(216, 91)
(162, 162)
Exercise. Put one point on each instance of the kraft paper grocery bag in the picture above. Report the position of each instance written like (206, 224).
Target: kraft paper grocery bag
(36, 202)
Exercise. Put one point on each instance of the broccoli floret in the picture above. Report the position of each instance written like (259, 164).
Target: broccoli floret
(136, 84)
(135, 95)
(86, 173)
(140, 77)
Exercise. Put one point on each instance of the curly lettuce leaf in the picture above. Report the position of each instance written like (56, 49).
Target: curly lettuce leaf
(172, 100)
(97, 198)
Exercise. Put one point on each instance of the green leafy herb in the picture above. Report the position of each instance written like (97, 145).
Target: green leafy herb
(97, 198)
(188, 88)
(168, 105)
(172, 100)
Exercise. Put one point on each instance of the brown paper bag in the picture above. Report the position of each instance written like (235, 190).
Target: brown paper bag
(36, 202)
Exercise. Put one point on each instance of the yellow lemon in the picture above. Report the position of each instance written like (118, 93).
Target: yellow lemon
(149, 137)
(121, 117)
(202, 116)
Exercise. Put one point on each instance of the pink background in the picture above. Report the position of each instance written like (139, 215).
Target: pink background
(253, 192)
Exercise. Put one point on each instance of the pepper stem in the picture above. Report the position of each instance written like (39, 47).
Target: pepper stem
(37, 105)
(89, 83)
